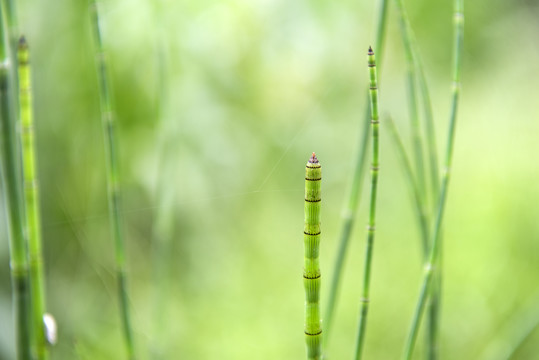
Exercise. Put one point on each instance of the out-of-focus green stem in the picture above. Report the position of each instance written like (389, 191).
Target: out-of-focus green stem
(31, 196)
(350, 210)
(412, 96)
(435, 247)
(13, 196)
(113, 182)
(412, 183)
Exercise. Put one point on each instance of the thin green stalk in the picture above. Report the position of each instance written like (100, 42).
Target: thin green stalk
(434, 251)
(109, 127)
(31, 197)
(412, 95)
(375, 124)
(14, 202)
(412, 183)
(414, 62)
(349, 213)
(311, 270)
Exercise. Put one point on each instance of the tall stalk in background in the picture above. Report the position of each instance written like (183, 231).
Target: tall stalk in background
(412, 97)
(349, 213)
(375, 124)
(109, 127)
(31, 197)
(458, 22)
(415, 72)
(14, 202)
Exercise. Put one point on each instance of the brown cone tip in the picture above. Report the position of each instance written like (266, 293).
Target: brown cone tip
(370, 51)
(313, 159)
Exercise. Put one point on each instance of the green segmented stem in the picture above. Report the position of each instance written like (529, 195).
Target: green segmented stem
(14, 203)
(311, 270)
(426, 287)
(349, 213)
(31, 197)
(109, 126)
(375, 124)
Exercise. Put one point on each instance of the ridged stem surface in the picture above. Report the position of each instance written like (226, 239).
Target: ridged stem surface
(458, 22)
(113, 183)
(349, 213)
(311, 269)
(14, 203)
(375, 124)
(31, 197)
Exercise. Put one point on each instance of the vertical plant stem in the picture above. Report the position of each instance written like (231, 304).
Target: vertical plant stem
(311, 270)
(109, 127)
(412, 96)
(14, 202)
(350, 210)
(375, 124)
(414, 63)
(31, 196)
(458, 22)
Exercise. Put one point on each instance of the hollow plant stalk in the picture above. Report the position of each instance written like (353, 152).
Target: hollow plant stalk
(375, 124)
(14, 203)
(311, 269)
(349, 213)
(458, 23)
(113, 183)
(31, 197)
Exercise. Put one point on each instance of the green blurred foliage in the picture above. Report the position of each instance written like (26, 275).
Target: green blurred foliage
(219, 105)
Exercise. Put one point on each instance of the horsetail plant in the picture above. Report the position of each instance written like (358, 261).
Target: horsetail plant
(426, 288)
(311, 270)
(375, 124)
(14, 204)
(112, 172)
(31, 198)
(350, 210)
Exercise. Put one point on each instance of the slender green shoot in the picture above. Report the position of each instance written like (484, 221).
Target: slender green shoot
(434, 250)
(412, 183)
(109, 127)
(311, 270)
(14, 202)
(349, 213)
(416, 66)
(375, 124)
(31, 197)
(412, 95)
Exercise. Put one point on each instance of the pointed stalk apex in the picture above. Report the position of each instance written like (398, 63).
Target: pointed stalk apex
(313, 159)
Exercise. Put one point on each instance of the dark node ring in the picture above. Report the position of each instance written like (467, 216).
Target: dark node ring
(312, 278)
(373, 88)
(318, 233)
(372, 65)
(375, 122)
(313, 179)
(313, 201)
(315, 334)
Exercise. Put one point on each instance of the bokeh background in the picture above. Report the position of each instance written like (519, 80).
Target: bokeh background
(219, 105)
